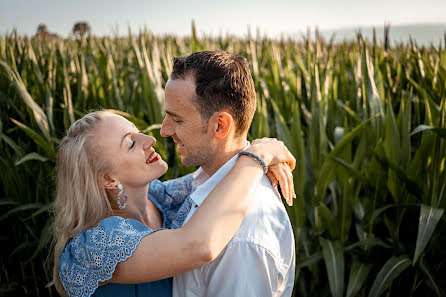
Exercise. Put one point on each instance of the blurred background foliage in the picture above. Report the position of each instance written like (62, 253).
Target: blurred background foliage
(365, 120)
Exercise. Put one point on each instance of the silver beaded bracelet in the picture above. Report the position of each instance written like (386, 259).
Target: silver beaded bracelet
(252, 155)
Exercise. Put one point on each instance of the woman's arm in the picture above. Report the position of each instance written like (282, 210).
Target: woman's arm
(166, 253)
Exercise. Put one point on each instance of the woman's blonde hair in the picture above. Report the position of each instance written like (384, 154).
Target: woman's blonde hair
(81, 199)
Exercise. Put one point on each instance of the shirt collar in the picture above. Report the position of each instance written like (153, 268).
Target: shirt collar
(205, 184)
(199, 178)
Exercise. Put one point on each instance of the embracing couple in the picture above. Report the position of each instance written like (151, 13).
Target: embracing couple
(221, 231)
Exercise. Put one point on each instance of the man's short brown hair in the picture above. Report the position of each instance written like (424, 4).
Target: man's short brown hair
(223, 82)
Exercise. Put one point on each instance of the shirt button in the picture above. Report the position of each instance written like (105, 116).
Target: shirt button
(196, 206)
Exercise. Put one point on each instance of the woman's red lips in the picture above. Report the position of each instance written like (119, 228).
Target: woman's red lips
(152, 158)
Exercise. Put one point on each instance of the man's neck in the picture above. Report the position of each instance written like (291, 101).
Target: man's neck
(223, 156)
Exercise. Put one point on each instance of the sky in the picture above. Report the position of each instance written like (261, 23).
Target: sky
(272, 18)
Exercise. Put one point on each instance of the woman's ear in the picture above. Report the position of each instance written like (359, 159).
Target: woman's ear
(109, 182)
(223, 124)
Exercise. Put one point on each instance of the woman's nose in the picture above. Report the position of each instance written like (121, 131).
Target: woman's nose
(149, 142)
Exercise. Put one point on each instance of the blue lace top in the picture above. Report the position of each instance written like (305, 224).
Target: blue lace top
(92, 255)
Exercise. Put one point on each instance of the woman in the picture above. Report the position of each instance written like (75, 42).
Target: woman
(103, 215)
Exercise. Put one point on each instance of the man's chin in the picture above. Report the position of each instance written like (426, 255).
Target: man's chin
(188, 162)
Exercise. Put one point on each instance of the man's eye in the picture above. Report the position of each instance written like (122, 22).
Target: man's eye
(133, 144)
(175, 120)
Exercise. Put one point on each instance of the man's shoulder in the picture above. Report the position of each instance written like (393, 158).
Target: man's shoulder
(267, 223)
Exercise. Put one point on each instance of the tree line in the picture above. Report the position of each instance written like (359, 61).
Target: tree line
(79, 30)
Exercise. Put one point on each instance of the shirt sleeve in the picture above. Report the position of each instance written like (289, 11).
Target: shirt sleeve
(91, 256)
(170, 195)
(244, 269)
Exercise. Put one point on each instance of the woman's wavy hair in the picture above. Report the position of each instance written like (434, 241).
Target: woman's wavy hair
(81, 199)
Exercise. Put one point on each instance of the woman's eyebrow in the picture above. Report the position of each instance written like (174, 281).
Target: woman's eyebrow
(126, 134)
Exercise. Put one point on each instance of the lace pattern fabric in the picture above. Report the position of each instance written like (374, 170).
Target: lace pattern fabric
(91, 256)
(172, 198)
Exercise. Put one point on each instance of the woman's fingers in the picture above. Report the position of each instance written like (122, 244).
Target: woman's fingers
(287, 170)
(283, 174)
(272, 178)
(284, 183)
(272, 151)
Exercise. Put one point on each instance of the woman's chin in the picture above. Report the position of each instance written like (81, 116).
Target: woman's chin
(162, 169)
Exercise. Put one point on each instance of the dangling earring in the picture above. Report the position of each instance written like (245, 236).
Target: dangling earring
(121, 190)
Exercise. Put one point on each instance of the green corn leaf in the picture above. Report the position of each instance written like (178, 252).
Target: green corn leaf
(8, 202)
(140, 124)
(328, 167)
(328, 220)
(429, 218)
(317, 131)
(368, 242)
(282, 130)
(410, 184)
(439, 131)
(358, 274)
(44, 209)
(68, 100)
(334, 262)
(370, 92)
(20, 208)
(39, 116)
(39, 140)
(392, 136)
(418, 164)
(17, 149)
(388, 273)
(316, 257)
(259, 127)
(431, 279)
(313, 259)
(22, 246)
(405, 117)
(31, 156)
(379, 211)
(44, 238)
(151, 127)
(350, 169)
(300, 175)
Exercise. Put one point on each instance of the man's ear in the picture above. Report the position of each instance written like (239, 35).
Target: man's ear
(223, 124)
(109, 182)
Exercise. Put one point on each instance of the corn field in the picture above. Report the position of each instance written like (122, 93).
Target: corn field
(365, 121)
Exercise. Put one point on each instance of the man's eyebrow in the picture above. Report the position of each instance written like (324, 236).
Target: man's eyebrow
(172, 114)
(126, 134)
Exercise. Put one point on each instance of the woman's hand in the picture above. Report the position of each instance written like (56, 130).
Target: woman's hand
(272, 152)
(281, 174)
(280, 164)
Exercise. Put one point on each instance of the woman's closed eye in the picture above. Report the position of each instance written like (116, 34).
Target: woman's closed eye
(132, 145)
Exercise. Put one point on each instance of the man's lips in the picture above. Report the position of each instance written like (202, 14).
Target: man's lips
(179, 144)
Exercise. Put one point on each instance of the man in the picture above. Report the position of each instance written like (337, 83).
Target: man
(209, 103)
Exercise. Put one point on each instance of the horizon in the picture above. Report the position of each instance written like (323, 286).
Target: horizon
(399, 33)
(234, 17)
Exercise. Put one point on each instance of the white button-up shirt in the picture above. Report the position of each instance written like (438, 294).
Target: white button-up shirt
(260, 258)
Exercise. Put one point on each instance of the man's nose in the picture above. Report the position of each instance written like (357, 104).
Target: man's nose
(166, 130)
